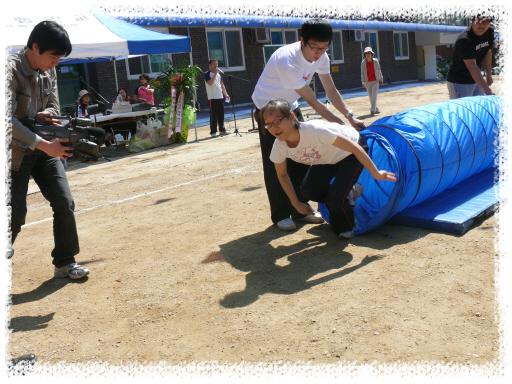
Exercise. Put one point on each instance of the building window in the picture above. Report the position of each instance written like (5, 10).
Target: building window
(371, 40)
(401, 43)
(150, 64)
(336, 48)
(225, 45)
(281, 37)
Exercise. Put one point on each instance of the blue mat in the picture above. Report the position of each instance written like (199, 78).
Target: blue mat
(455, 209)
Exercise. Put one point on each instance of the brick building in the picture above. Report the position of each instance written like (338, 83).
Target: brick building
(406, 51)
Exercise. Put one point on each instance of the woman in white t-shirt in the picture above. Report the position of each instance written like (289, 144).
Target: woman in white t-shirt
(332, 150)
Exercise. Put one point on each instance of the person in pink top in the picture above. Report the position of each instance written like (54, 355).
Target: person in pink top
(145, 91)
(371, 75)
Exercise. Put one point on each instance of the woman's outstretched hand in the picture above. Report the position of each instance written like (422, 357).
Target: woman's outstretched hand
(385, 175)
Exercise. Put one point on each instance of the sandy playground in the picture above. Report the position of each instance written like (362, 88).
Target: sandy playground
(186, 266)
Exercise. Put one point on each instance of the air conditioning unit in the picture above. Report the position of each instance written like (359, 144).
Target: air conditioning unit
(261, 35)
(356, 35)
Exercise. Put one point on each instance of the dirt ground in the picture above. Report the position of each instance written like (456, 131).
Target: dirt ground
(187, 267)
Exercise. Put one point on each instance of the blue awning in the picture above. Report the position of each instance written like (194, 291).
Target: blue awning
(422, 27)
(275, 22)
(150, 20)
(369, 24)
(410, 27)
(338, 24)
(385, 25)
(179, 20)
(296, 22)
(144, 41)
(253, 21)
(355, 24)
(219, 21)
(249, 21)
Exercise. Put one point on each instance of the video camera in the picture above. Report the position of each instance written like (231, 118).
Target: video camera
(85, 139)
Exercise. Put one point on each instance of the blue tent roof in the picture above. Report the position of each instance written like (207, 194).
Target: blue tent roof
(142, 41)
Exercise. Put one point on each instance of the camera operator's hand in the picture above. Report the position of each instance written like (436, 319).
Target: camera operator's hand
(54, 148)
(44, 118)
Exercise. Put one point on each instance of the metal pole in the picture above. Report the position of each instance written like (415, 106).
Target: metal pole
(115, 72)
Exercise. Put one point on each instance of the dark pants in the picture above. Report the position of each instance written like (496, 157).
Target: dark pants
(316, 187)
(49, 174)
(216, 115)
(280, 206)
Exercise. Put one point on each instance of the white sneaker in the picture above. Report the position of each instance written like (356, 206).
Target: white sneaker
(286, 225)
(351, 233)
(355, 193)
(315, 219)
(214, 134)
(223, 133)
(73, 270)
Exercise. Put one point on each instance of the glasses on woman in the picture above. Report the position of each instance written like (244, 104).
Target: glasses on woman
(318, 49)
(275, 122)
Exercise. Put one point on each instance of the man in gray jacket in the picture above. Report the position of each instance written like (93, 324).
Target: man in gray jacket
(32, 83)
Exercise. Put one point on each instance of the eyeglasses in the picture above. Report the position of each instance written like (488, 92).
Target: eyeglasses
(275, 122)
(318, 49)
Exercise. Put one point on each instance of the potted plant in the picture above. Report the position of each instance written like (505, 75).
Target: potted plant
(178, 85)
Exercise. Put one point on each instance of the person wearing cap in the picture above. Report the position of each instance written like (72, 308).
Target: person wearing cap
(473, 49)
(371, 75)
(84, 100)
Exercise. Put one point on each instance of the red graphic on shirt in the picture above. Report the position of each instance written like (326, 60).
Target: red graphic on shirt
(307, 77)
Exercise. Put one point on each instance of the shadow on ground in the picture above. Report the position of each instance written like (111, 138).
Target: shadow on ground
(304, 260)
(30, 323)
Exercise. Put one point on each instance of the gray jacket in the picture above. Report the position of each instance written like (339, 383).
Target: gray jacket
(30, 92)
(376, 66)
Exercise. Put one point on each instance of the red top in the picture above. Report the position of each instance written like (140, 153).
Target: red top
(370, 70)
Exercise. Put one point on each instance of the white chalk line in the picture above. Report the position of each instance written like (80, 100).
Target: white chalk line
(240, 170)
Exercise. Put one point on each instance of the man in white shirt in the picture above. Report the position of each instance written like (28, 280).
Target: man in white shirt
(215, 90)
(287, 75)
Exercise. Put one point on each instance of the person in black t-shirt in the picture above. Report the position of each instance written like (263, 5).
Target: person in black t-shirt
(473, 48)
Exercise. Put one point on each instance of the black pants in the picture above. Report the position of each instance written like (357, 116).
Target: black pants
(49, 174)
(317, 187)
(216, 115)
(280, 206)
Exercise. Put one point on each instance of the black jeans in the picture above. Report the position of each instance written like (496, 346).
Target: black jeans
(280, 206)
(317, 187)
(216, 115)
(49, 174)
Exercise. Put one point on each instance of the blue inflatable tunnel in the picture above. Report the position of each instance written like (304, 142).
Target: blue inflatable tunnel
(430, 149)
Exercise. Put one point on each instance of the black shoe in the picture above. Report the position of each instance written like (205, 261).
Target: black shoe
(22, 365)
(9, 253)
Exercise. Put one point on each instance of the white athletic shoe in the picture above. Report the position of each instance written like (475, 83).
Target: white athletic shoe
(354, 194)
(73, 270)
(224, 133)
(315, 219)
(286, 225)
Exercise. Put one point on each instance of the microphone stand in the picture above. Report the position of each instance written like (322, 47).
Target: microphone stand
(95, 91)
(231, 77)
